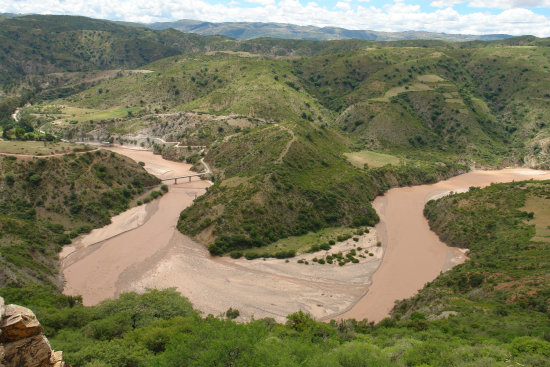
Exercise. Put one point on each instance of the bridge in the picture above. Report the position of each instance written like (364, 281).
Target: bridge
(183, 177)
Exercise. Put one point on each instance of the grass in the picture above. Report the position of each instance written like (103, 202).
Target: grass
(540, 207)
(39, 147)
(301, 244)
(372, 159)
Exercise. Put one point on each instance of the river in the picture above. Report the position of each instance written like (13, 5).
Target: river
(142, 249)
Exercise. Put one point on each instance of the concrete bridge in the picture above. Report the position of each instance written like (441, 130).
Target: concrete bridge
(183, 177)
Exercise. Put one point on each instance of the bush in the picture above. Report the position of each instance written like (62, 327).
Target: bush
(236, 254)
(232, 313)
(10, 178)
(164, 188)
(325, 246)
(35, 179)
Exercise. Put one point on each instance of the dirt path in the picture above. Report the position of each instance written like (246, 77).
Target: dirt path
(288, 145)
(414, 254)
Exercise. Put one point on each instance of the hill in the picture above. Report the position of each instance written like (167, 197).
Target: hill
(251, 30)
(38, 44)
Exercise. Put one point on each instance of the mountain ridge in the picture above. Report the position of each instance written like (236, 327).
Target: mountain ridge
(251, 30)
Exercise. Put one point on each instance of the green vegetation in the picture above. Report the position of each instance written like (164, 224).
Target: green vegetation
(45, 202)
(309, 242)
(299, 147)
(507, 272)
(278, 131)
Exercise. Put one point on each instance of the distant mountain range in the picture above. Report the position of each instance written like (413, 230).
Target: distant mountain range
(250, 30)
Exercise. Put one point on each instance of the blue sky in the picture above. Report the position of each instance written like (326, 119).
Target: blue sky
(515, 17)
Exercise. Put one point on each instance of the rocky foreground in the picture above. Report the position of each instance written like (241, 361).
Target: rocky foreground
(22, 340)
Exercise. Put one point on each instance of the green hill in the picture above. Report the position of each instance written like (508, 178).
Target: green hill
(38, 44)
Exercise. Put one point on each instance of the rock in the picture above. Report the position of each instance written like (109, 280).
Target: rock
(29, 352)
(18, 323)
(22, 340)
(56, 359)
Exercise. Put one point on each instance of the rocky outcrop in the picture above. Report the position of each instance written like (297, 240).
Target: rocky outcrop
(22, 340)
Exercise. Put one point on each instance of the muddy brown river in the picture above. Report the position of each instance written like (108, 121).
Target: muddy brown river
(142, 249)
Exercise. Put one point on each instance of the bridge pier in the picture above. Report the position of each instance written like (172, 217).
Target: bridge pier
(175, 181)
(189, 178)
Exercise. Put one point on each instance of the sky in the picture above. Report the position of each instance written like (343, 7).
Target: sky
(516, 17)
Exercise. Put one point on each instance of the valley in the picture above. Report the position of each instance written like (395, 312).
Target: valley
(339, 203)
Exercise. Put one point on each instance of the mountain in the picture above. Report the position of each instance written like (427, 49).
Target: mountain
(251, 30)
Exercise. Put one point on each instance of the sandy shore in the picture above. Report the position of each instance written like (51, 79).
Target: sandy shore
(414, 254)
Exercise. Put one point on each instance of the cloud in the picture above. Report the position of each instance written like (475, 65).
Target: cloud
(446, 3)
(396, 16)
(343, 5)
(509, 4)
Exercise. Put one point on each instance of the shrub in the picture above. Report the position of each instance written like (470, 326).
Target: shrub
(236, 254)
(10, 178)
(325, 246)
(164, 188)
(35, 179)
(232, 313)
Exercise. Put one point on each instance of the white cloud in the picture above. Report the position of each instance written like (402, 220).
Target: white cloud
(509, 4)
(343, 5)
(396, 16)
(446, 3)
